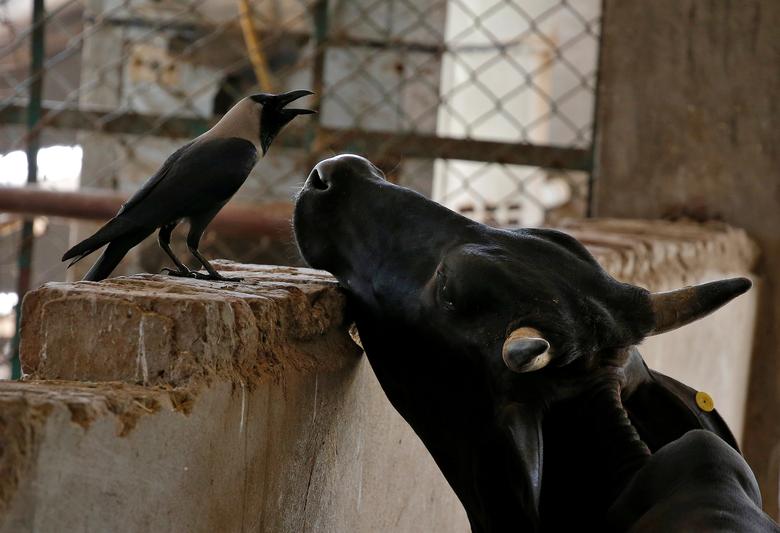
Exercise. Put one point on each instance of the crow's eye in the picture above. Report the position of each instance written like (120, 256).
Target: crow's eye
(443, 291)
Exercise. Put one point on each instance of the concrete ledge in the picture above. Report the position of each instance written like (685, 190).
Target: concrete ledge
(157, 329)
(661, 255)
(154, 329)
(156, 404)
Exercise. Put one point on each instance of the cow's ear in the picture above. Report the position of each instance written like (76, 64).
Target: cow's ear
(674, 309)
(526, 350)
(524, 424)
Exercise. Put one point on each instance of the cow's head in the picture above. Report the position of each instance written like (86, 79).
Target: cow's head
(462, 321)
(530, 297)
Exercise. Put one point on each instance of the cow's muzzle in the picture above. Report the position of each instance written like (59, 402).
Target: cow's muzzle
(341, 171)
(316, 181)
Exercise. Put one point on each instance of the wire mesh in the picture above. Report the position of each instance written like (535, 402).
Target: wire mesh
(485, 105)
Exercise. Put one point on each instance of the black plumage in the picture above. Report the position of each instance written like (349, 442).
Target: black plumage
(194, 183)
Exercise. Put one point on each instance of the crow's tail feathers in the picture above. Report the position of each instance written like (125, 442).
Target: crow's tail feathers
(113, 229)
(113, 254)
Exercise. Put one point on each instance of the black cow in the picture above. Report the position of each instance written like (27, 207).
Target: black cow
(444, 305)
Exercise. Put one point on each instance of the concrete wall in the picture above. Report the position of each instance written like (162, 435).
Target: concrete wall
(206, 407)
(164, 404)
(688, 120)
(321, 452)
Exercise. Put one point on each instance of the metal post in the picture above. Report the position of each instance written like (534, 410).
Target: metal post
(595, 146)
(24, 261)
(319, 13)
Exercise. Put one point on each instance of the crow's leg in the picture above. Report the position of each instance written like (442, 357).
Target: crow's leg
(164, 240)
(197, 227)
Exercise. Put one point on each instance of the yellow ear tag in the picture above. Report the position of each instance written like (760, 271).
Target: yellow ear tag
(704, 401)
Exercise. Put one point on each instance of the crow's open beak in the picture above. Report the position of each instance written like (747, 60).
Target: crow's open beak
(281, 100)
(275, 116)
(286, 98)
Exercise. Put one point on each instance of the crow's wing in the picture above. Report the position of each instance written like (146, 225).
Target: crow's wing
(155, 180)
(122, 224)
(196, 178)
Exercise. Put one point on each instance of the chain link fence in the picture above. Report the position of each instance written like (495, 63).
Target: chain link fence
(485, 105)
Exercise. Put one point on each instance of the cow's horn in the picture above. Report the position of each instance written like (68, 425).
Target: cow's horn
(525, 350)
(674, 309)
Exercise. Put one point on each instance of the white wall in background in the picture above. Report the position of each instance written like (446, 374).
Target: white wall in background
(59, 168)
(485, 83)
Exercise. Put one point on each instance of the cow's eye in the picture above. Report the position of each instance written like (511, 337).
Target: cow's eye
(443, 292)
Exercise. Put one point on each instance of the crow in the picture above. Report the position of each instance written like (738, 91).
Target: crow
(194, 183)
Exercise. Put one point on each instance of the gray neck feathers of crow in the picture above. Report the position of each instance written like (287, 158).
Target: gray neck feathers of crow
(242, 121)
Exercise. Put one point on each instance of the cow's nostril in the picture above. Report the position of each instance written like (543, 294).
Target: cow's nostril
(317, 181)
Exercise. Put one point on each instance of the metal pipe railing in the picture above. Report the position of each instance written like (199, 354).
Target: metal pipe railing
(236, 219)
(373, 144)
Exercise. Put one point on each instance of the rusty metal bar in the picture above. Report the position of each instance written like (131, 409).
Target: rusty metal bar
(594, 144)
(108, 121)
(236, 219)
(431, 146)
(338, 40)
(320, 21)
(368, 143)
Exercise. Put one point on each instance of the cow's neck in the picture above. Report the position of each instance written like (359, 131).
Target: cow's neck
(492, 464)
(449, 406)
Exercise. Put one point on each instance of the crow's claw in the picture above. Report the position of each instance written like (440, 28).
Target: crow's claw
(178, 273)
(218, 277)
